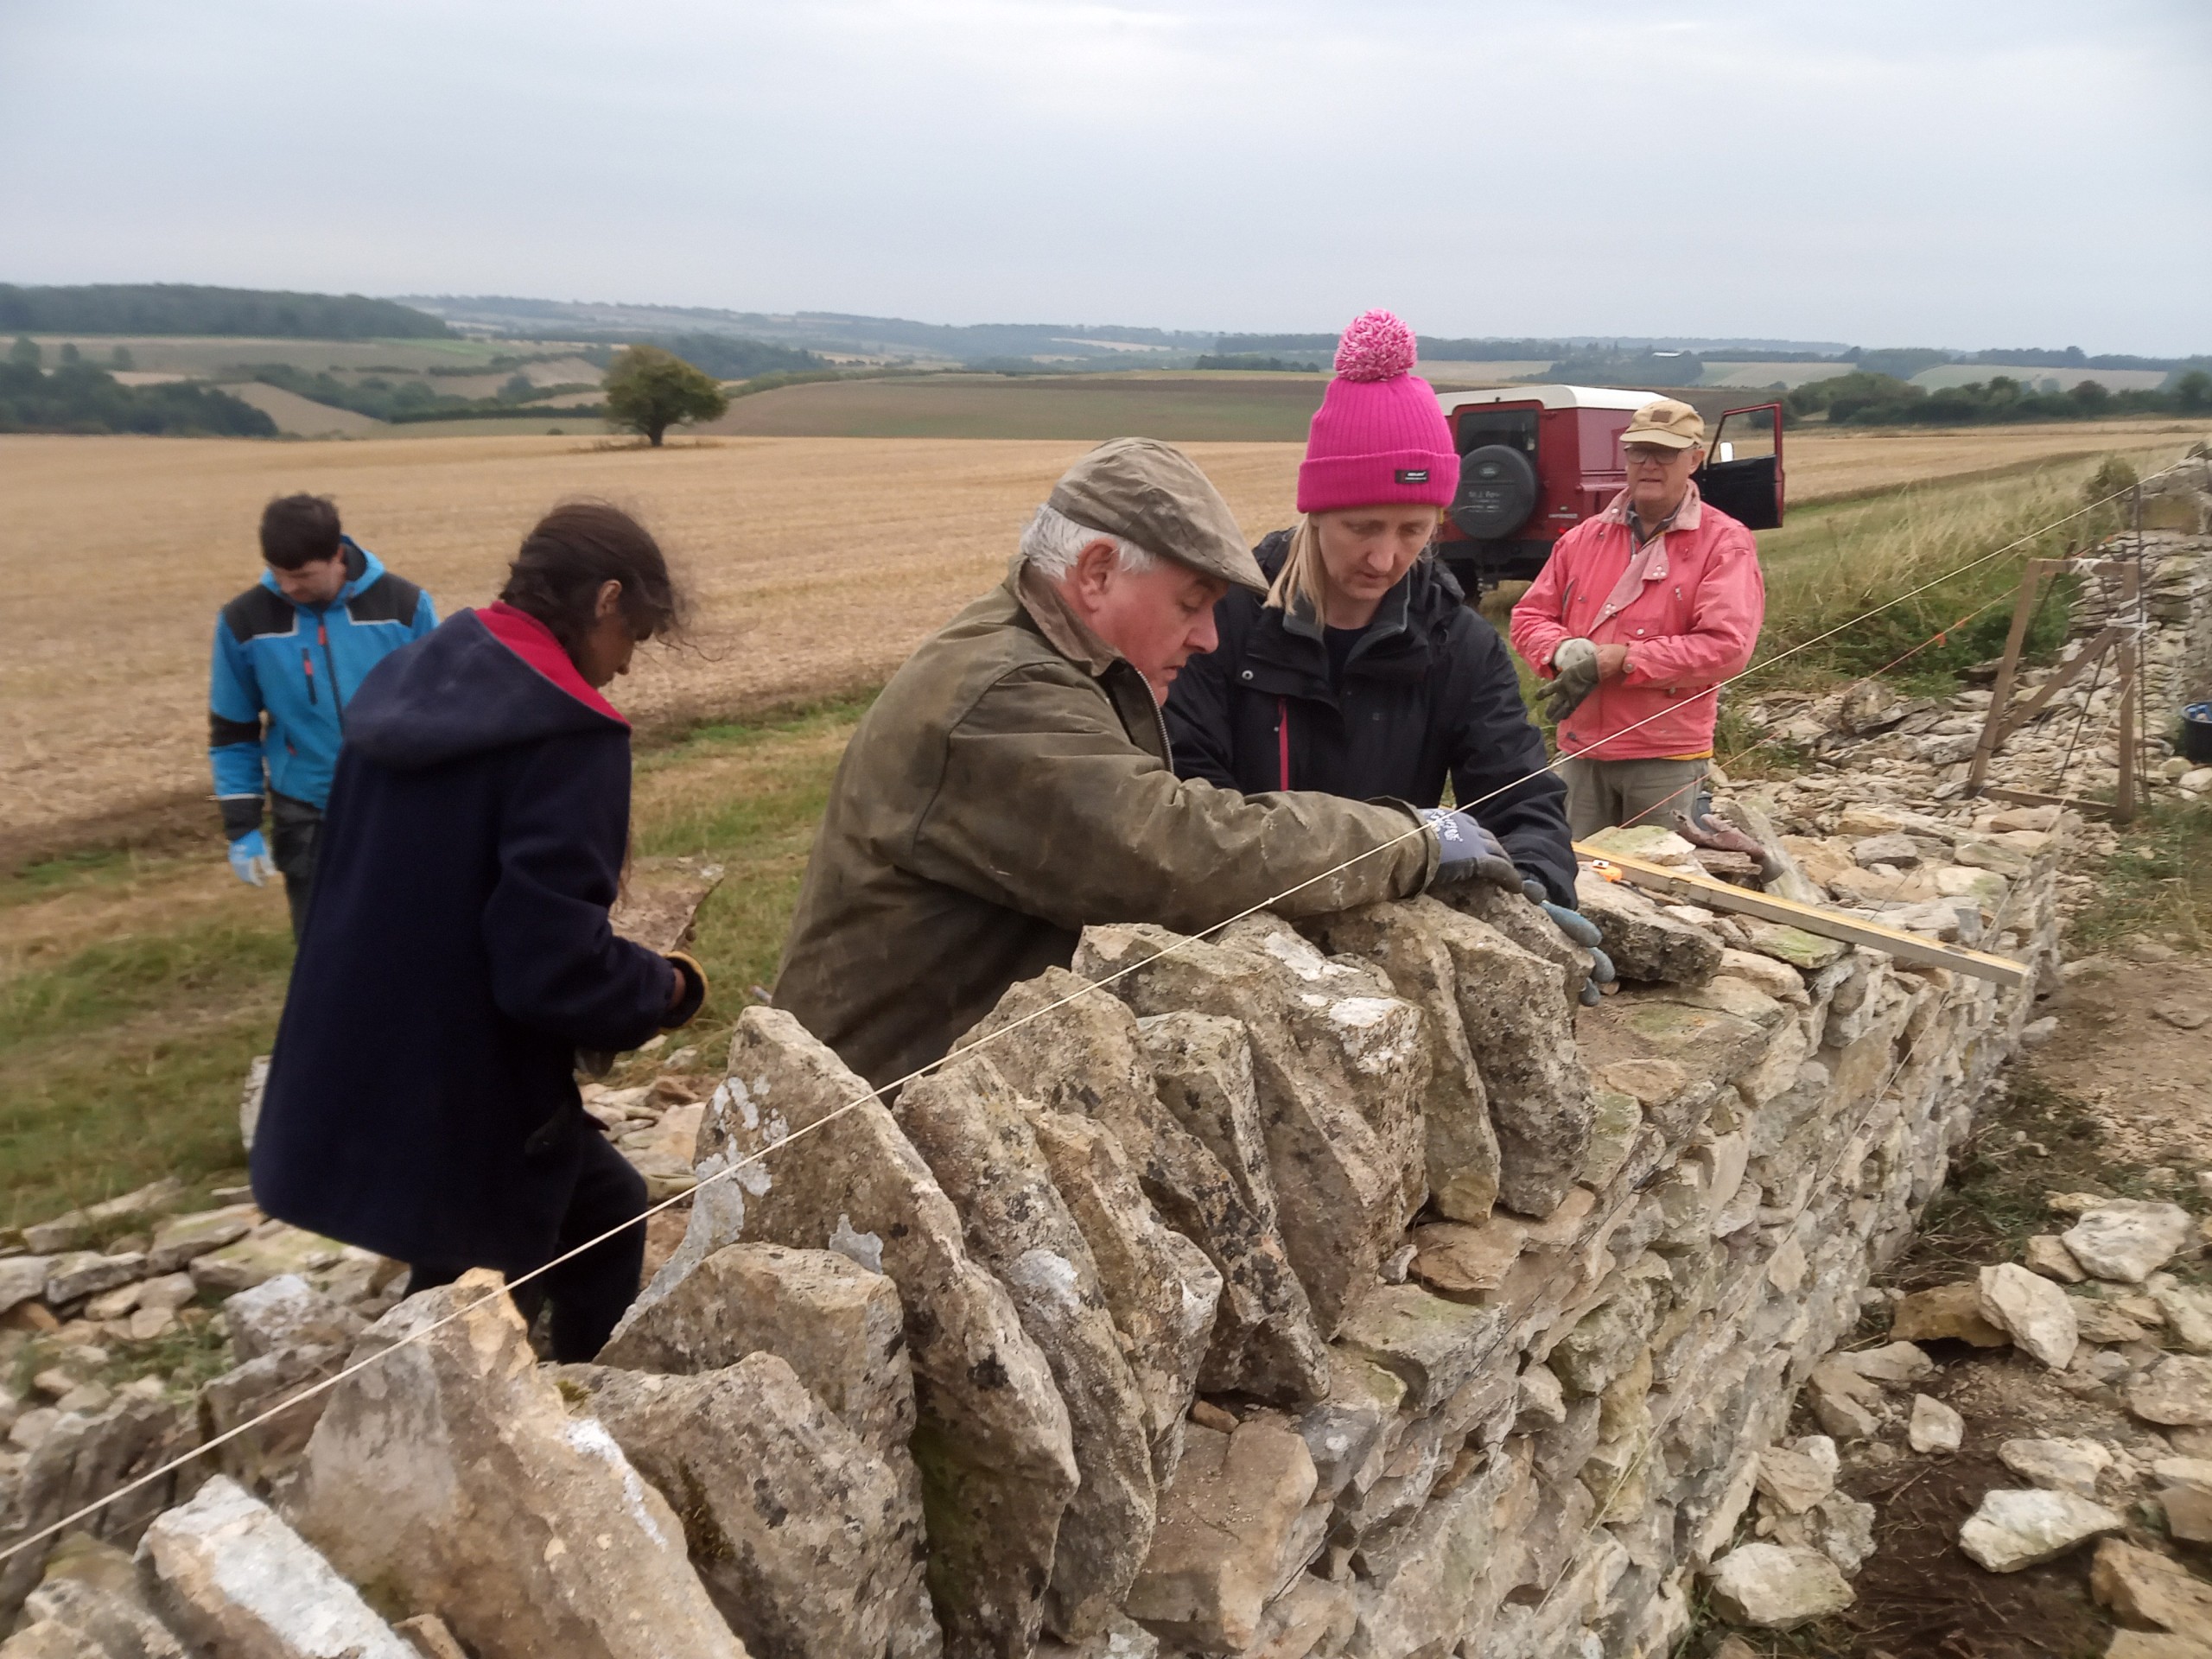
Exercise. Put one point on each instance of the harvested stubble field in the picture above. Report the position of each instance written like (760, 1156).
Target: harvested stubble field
(817, 564)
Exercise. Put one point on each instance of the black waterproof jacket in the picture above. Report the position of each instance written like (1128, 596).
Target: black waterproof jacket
(422, 1100)
(1429, 693)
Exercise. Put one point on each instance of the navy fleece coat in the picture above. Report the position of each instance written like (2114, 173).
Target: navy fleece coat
(421, 1099)
(1428, 693)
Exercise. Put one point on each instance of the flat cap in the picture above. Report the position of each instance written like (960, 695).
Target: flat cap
(1153, 494)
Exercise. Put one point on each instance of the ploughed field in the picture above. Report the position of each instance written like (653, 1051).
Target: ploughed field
(818, 563)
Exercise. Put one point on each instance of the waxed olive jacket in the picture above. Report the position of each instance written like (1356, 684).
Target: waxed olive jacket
(1011, 786)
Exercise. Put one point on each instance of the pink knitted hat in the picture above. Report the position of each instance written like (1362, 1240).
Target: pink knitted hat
(1379, 435)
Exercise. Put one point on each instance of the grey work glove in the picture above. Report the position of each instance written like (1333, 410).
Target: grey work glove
(1581, 931)
(1468, 850)
(1574, 670)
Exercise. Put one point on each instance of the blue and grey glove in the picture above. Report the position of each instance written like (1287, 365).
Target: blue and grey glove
(1467, 850)
(1581, 931)
(250, 859)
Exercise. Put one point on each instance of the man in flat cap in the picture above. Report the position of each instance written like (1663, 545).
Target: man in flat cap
(1012, 784)
(1637, 617)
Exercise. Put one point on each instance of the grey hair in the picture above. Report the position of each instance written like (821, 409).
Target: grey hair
(1052, 541)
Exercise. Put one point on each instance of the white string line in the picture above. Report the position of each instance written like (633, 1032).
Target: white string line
(1820, 1180)
(1419, 827)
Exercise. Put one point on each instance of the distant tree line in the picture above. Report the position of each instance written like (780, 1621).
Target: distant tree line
(181, 308)
(408, 400)
(78, 398)
(1256, 360)
(1865, 398)
(725, 357)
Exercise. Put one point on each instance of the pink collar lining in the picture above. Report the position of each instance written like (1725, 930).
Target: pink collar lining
(532, 641)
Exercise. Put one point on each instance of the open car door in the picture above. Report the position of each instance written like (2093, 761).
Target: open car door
(1742, 474)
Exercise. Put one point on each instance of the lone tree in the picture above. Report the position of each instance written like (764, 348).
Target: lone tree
(649, 390)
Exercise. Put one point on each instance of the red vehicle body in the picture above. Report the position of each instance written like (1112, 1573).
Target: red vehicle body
(1537, 461)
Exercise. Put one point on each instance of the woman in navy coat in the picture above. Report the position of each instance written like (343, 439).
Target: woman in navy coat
(457, 956)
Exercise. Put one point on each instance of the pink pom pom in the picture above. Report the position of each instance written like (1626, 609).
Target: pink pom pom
(1377, 347)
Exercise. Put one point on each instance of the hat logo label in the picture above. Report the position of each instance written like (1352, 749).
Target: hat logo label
(1412, 474)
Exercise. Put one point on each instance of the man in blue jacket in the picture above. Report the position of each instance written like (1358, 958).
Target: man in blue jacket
(295, 647)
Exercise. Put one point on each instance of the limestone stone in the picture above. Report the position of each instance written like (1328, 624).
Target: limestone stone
(1159, 1288)
(1431, 1345)
(2127, 1239)
(2189, 1315)
(2057, 1465)
(1895, 1364)
(2175, 1391)
(2189, 1513)
(779, 1500)
(429, 1636)
(1842, 1528)
(78, 1459)
(1777, 1587)
(1799, 1474)
(237, 1579)
(1520, 921)
(836, 1323)
(1407, 942)
(22, 1278)
(1934, 1427)
(450, 1474)
(1948, 1311)
(2014, 1529)
(2035, 1313)
(1809, 952)
(258, 1457)
(79, 1228)
(1643, 941)
(2149, 1592)
(1313, 1616)
(1342, 1432)
(1223, 1521)
(87, 1272)
(970, 1126)
(2159, 1644)
(270, 1249)
(1202, 1071)
(2046, 1254)
(1415, 1592)
(992, 1438)
(179, 1239)
(1346, 1209)
(1466, 1263)
(2101, 1322)
(1847, 1405)
(93, 1590)
(1522, 1039)
(287, 1312)
(1616, 1121)
(1087, 1056)
(1606, 1341)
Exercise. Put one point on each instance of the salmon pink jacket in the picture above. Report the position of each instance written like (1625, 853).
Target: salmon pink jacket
(1691, 623)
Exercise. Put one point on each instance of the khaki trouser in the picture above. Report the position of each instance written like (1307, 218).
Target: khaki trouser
(1602, 793)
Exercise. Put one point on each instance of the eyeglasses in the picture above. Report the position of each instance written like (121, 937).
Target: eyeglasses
(1650, 454)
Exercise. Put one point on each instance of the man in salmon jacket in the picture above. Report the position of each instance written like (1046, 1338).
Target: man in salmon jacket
(1639, 616)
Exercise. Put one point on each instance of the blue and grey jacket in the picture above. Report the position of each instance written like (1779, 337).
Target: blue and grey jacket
(299, 665)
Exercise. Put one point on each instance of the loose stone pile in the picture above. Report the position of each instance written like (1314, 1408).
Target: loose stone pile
(1342, 1291)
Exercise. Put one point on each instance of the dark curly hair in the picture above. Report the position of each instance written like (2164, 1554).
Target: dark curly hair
(575, 549)
(297, 528)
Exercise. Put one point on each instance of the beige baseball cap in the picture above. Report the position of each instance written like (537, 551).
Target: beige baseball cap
(1152, 494)
(1666, 423)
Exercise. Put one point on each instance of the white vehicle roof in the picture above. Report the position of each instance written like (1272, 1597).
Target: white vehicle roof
(1550, 398)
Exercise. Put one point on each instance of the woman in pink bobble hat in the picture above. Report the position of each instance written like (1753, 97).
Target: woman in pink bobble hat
(1363, 673)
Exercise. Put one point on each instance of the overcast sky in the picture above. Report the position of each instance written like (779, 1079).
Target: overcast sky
(1886, 172)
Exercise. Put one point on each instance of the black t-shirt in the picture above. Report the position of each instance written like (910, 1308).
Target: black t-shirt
(1340, 642)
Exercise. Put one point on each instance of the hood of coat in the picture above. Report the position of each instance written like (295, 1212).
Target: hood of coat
(363, 571)
(481, 680)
